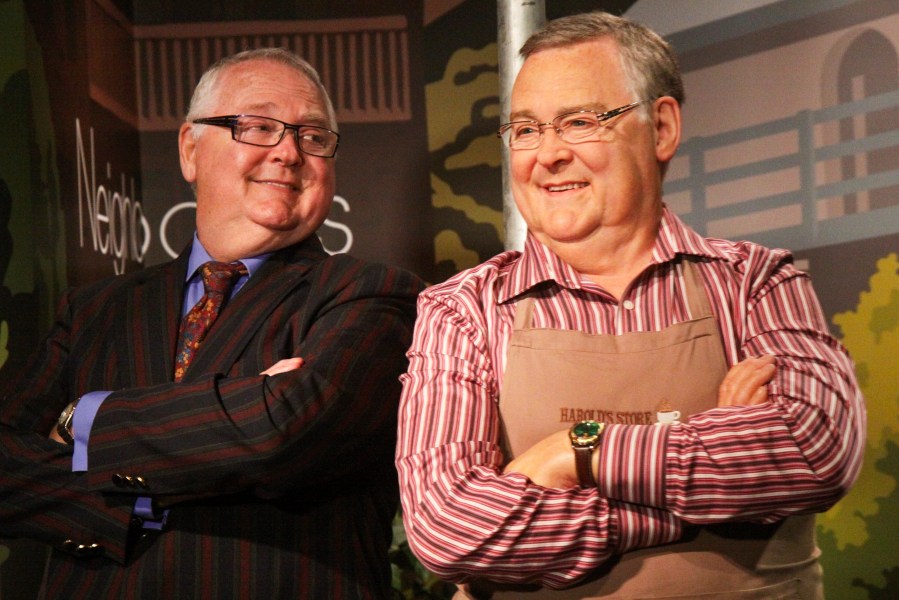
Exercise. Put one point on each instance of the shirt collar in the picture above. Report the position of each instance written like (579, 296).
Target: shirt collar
(538, 264)
(676, 237)
(199, 256)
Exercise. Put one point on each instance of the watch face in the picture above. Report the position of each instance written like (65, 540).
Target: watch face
(66, 415)
(586, 433)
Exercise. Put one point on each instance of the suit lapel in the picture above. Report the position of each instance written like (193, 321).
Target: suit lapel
(230, 334)
(156, 306)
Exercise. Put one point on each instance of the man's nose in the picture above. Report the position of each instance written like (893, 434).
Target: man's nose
(289, 146)
(552, 147)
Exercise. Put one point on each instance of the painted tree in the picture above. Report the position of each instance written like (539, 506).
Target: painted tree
(857, 537)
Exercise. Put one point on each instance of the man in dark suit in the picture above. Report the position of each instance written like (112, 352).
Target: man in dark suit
(252, 460)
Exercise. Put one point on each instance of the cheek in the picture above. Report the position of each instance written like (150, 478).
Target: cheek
(319, 191)
(520, 173)
(326, 179)
(520, 167)
(226, 169)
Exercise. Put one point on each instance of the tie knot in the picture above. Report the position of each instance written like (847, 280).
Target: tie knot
(219, 277)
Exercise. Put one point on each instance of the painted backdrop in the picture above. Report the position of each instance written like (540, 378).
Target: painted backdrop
(790, 139)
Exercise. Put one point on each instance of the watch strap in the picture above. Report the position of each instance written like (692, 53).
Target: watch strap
(583, 460)
(65, 434)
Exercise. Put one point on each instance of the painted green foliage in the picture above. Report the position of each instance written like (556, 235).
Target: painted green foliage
(32, 222)
(858, 536)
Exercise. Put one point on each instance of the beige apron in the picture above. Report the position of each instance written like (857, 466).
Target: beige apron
(650, 377)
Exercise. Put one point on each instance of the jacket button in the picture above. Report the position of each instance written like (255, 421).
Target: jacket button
(83, 550)
(142, 482)
(87, 549)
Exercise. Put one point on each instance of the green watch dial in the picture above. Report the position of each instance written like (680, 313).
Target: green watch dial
(586, 429)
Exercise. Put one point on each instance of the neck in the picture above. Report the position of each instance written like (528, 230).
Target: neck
(613, 257)
(240, 247)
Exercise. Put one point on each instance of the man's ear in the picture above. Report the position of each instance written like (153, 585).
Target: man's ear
(667, 127)
(187, 152)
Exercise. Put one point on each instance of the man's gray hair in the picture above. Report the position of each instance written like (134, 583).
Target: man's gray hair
(204, 93)
(647, 59)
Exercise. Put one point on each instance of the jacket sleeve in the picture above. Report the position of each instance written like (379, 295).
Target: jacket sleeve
(310, 429)
(40, 497)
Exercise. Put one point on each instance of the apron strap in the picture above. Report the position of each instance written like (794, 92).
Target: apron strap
(697, 299)
(524, 308)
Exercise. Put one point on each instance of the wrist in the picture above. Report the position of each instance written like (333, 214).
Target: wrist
(64, 423)
(586, 437)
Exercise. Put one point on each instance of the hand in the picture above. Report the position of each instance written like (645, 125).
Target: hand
(55, 436)
(284, 365)
(746, 383)
(549, 462)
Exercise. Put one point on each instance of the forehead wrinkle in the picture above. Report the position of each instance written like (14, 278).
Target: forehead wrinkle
(311, 118)
(260, 105)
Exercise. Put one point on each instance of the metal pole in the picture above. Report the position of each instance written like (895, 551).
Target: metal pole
(517, 19)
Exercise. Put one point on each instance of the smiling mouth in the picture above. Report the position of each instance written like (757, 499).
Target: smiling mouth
(278, 184)
(565, 187)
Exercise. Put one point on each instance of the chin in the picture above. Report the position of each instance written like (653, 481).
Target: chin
(285, 236)
(276, 217)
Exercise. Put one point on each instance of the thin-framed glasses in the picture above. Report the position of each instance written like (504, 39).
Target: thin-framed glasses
(573, 127)
(266, 131)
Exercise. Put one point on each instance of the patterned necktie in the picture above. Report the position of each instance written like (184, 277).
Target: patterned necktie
(218, 279)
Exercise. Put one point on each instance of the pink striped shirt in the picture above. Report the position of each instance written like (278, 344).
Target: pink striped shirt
(800, 452)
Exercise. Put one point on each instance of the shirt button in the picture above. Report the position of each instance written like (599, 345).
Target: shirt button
(628, 305)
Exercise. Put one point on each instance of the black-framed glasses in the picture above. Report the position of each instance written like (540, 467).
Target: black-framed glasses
(573, 127)
(266, 131)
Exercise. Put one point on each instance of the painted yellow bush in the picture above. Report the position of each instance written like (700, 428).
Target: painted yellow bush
(858, 535)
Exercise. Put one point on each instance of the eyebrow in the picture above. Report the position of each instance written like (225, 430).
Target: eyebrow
(313, 118)
(525, 115)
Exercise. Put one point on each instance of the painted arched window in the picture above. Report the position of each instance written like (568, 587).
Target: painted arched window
(869, 67)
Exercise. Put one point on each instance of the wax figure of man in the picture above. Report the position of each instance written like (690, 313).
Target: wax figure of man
(618, 314)
(211, 480)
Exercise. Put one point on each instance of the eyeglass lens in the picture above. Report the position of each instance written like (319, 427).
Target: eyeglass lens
(572, 127)
(264, 131)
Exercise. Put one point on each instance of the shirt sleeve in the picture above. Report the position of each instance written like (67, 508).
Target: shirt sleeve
(82, 422)
(465, 519)
(797, 453)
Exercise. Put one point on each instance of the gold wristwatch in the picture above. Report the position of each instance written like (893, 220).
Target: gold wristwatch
(585, 438)
(64, 423)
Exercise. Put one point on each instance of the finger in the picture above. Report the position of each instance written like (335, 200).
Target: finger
(767, 372)
(288, 364)
(744, 379)
(759, 397)
(755, 374)
(278, 369)
(283, 366)
(732, 383)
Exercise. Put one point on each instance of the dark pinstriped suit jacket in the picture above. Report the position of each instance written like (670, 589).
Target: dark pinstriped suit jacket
(280, 487)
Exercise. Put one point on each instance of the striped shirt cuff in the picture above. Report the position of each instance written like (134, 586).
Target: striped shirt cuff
(644, 526)
(632, 464)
